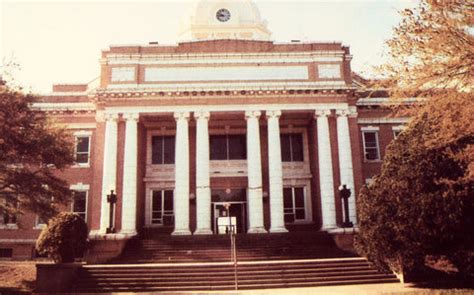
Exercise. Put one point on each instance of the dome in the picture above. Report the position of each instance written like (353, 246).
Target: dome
(224, 19)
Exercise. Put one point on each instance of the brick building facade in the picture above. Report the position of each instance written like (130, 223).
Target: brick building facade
(228, 116)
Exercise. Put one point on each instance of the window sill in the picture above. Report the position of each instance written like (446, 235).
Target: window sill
(9, 226)
(39, 226)
(372, 161)
(81, 165)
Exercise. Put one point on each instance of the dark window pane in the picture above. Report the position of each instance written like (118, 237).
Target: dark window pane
(82, 215)
(168, 149)
(370, 139)
(79, 205)
(237, 147)
(285, 147)
(287, 198)
(156, 215)
(297, 147)
(156, 201)
(300, 214)
(289, 218)
(82, 145)
(157, 150)
(82, 158)
(299, 197)
(218, 147)
(371, 154)
(168, 205)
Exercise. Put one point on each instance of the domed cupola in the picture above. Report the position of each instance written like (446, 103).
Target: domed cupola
(224, 19)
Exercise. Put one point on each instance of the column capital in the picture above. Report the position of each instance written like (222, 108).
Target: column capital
(346, 113)
(131, 116)
(252, 114)
(202, 115)
(181, 116)
(322, 113)
(273, 114)
(107, 117)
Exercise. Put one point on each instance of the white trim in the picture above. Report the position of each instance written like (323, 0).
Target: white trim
(261, 85)
(399, 128)
(369, 101)
(9, 226)
(17, 241)
(83, 133)
(402, 120)
(39, 225)
(63, 106)
(370, 128)
(226, 108)
(79, 187)
(376, 142)
(78, 125)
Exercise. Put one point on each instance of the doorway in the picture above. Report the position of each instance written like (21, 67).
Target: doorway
(236, 210)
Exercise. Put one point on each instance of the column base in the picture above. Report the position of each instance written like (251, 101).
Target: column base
(203, 232)
(128, 233)
(257, 230)
(278, 230)
(181, 232)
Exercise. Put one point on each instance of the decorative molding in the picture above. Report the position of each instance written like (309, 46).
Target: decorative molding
(78, 125)
(130, 116)
(346, 113)
(273, 114)
(322, 113)
(329, 71)
(370, 128)
(181, 116)
(202, 115)
(83, 133)
(402, 120)
(252, 114)
(64, 106)
(226, 108)
(111, 117)
(79, 187)
(123, 74)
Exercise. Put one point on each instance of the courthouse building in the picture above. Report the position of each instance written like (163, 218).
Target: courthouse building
(226, 116)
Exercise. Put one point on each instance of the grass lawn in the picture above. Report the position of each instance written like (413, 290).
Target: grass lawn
(17, 277)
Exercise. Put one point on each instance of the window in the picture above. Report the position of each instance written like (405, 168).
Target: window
(294, 204)
(162, 207)
(292, 147)
(162, 150)
(6, 252)
(371, 145)
(228, 147)
(82, 149)
(79, 204)
(8, 220)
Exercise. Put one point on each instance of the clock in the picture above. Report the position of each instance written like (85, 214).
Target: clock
(223, 15)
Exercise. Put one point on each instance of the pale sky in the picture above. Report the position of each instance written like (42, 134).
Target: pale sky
(61, 41)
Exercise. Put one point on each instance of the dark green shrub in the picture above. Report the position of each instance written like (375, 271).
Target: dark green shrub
(64, 238)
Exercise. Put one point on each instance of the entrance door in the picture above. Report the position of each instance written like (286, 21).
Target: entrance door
(236, 210)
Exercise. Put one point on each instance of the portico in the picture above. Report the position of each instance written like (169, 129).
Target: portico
(172, 185)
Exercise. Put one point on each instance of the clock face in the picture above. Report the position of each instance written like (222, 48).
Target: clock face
(223, 15)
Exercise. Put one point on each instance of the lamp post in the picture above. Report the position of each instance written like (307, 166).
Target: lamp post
(111, 199)
(345, 194)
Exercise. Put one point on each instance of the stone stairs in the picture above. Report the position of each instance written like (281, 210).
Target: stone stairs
(220, 276)
(203, 263)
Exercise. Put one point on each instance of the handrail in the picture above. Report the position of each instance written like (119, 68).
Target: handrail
(233, 237)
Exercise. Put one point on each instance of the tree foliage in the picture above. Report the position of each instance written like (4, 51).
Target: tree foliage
(422, 203)
(64, 238)
(31, 150)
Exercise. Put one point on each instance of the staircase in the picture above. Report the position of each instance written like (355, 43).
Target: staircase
(220, 276)
(288, 246)
(203, 263)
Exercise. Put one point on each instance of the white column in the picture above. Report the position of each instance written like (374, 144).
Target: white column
(275, 170)
(203, 190)
(181, 191)
(326, 181)
(345, 159)
(109, 168)
(129, 194)
(255, 202)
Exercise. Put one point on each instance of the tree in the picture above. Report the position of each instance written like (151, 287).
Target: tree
(31, 151)
(64, 238)
(422, 203)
